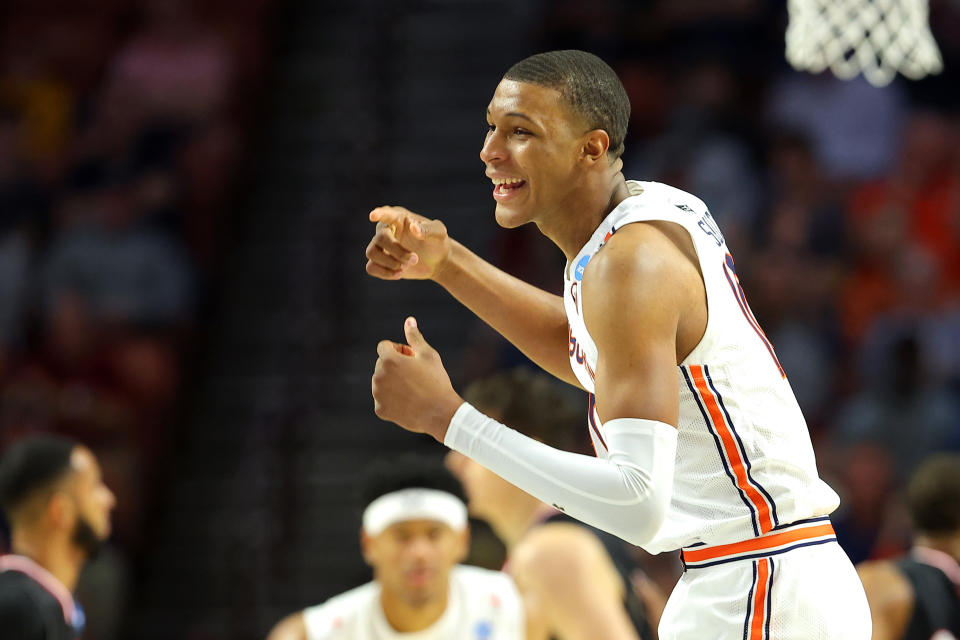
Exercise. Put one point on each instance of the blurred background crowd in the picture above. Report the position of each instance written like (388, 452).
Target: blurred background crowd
(183, 197)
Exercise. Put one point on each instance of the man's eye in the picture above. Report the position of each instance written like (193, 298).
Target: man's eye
(521, 132)
(491, 127)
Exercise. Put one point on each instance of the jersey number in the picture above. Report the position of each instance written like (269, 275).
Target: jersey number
(730, 270)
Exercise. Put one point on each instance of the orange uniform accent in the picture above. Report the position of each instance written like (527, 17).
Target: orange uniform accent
(757, 544)
(760, 600)
(730, 447)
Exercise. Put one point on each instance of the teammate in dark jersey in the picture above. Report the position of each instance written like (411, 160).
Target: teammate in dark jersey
(578, 582)
(917, 597)
(58, 509)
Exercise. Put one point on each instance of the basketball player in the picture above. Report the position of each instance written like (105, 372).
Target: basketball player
(577, 581)
(917, 597)
(701, 443)
(414, 534)
(58, 508)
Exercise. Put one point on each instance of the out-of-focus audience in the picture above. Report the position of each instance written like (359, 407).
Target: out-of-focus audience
(121, 131)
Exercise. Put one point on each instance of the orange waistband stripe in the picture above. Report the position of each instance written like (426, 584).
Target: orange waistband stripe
(805, 534)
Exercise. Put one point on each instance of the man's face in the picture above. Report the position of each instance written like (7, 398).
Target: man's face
(534, 140)
(94, 501)
(486, 491)
(412, 559)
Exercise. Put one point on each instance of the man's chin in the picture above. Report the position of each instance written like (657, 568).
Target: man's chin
(510, 218)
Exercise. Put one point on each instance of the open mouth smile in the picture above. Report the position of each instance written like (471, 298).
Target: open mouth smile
(506, 188)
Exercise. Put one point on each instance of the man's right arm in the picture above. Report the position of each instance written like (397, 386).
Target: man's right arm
(409, 246)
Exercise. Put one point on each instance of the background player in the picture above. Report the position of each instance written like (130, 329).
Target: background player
(578, 581)
(702, 445)
(53, 496)
(917, 597)
(414, 534)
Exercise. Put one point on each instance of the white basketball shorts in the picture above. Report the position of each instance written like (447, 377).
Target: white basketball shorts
(794, 583)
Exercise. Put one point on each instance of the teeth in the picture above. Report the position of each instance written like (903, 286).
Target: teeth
(499, 181)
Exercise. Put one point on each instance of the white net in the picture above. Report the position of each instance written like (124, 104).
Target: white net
(876, 37)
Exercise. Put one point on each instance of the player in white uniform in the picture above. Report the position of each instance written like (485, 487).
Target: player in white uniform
(414, 534)
(700, 442)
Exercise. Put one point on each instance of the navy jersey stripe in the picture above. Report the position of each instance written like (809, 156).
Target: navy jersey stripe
(753, 585)
(742, 449)
(726, 466)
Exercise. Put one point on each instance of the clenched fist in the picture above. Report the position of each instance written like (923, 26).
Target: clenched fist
(411, 387)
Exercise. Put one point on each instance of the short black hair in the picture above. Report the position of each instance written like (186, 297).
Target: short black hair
(408, 471)
(588, 85)
(933, 495)
(30, 465)
(532, 403)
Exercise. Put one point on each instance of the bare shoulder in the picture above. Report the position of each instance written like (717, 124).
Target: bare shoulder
(557, 544)
(653, 258)
(564, 569)
(292, 627)
(890, 596)
(639, 247)
(885, 581)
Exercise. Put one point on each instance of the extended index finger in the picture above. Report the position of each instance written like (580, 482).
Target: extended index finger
(388, 215)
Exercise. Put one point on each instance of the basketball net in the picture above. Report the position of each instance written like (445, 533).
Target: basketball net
(875, 37)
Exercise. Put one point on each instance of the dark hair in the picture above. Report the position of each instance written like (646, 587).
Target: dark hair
(406, 472)
(933, 495)
(30, 465)
(587, 84)
(531, 403)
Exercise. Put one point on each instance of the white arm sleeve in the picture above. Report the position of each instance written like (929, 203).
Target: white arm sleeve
(626, 494)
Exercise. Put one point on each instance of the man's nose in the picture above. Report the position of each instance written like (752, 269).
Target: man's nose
(492, 149)
(420, 548)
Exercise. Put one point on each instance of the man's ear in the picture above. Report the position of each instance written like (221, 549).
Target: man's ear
(596, 143)
(61, 510)
(366, 547)
(463, 544)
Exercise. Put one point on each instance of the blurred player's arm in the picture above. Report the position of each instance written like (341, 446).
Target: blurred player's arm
(565, 570)
(653, 598)
(409, 246)
(890, 596)
(290, 628)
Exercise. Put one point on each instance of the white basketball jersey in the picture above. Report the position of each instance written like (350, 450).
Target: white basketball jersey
(745, 463)
(482, 605)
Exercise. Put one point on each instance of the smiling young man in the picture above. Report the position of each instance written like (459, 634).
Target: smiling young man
(414, 535)
(52, 493)
(701, 445)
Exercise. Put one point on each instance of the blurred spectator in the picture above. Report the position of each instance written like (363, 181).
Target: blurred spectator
(853, 125)
(174, 70)
(702, 149)
(900, 408)
(866, 483)
(794, 271)
(127, 271)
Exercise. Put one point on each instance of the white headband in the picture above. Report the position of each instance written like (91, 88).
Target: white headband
(414, 504)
